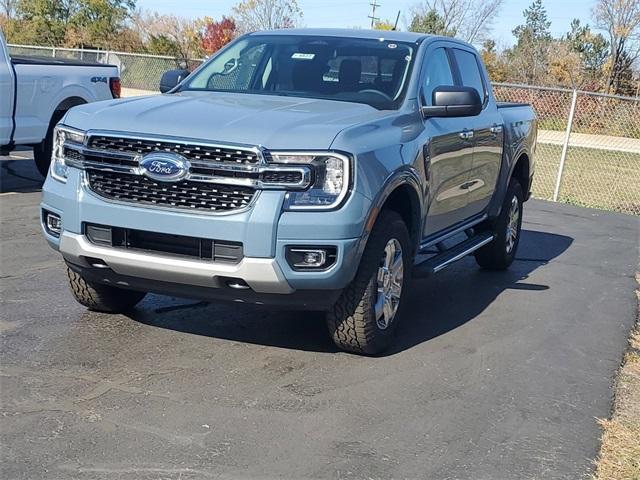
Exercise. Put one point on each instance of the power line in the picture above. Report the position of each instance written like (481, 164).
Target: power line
(374, 4)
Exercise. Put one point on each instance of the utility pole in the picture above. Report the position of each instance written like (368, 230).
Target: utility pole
(374, 4)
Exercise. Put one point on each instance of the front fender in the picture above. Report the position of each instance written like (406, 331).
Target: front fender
(405, 177)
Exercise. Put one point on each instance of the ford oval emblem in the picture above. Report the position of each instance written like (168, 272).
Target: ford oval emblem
(164, 166)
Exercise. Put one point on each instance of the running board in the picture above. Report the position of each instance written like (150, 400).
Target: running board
(443, 260)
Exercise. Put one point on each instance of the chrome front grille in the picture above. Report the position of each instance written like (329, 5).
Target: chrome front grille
(219, 178)
(186, 195)
(190, 150)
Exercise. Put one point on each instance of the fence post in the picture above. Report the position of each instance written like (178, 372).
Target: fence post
(565, 145)
(107, 56)
(53, 52)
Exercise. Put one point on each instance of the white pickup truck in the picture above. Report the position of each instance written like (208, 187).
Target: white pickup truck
(35, 93)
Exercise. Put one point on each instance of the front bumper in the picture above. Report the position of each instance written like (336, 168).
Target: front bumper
(263, 275)
(264, 230)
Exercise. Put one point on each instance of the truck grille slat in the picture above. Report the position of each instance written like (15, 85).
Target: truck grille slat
(190, 151)
(187, 195)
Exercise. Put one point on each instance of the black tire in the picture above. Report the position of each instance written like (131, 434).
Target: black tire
(499, 254)
(102, 298)
(352, 321)
(42, 151)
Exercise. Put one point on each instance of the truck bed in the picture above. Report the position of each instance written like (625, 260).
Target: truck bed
(36, 60)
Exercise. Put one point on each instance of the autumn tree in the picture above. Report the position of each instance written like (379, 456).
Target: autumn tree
(494, 62)
(470, 20)
(621, 20)
(563, 66)
(254, 15)
(169, 34)
(216, 34)
(384, 25)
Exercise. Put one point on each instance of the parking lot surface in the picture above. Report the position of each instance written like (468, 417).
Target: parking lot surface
(493, 375)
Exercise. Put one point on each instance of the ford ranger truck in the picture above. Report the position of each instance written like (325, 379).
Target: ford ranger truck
(35, 93)
(310, 169)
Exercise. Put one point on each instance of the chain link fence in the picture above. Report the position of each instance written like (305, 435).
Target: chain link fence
(137, 71)
(588, 149)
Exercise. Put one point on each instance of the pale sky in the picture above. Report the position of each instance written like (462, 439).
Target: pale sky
(350, 13)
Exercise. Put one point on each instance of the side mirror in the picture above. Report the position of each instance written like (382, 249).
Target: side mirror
(171, 78)
(453, 101)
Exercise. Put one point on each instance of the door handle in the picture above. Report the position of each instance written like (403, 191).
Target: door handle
(466, 135)
(496, 129)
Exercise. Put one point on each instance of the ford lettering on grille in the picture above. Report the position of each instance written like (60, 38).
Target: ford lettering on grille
(164, 166)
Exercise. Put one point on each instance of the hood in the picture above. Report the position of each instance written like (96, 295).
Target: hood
(274, 122)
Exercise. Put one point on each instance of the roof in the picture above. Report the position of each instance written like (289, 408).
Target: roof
(391, 35)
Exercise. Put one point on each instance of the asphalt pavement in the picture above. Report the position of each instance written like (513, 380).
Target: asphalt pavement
(493, 376)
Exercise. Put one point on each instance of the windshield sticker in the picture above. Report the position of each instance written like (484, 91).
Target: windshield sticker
(303, 56)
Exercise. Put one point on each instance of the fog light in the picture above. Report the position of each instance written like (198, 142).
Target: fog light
(310, 258)
(53, 223)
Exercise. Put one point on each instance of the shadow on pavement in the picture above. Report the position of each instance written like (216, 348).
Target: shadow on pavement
(435, 305)
(440, 304)
(19, 174)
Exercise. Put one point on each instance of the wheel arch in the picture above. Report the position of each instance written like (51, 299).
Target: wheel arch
(518, 165)
(521, 171)
(68, 103)
(402, 194)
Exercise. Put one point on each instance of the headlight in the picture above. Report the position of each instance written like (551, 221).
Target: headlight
(331, 178)
(62, 135)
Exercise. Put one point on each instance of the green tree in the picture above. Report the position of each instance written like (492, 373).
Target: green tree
(97, 23)
(162, 45)
(592, 48)
(100, 21)
(430, 22)
(43, 22)
(533, 40)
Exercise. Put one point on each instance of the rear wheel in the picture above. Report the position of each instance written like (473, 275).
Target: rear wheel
(499, 254)
(365, 317)
(102, 298)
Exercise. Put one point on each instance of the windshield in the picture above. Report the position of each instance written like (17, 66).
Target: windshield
(368, 71)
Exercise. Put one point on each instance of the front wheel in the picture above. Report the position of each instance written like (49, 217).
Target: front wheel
(499, 254)
(365, 317)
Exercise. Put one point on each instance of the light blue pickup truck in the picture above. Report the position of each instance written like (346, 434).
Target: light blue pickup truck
(311, 169)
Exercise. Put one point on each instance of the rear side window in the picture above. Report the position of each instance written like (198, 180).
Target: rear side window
(469, 70)
(437, 73)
